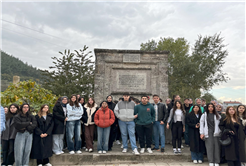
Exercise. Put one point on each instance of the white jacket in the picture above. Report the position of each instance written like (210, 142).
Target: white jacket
(204, 126)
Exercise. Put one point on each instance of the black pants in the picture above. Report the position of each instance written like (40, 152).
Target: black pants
(177, 130)
(118, 133)
(233, 163)
(8, 152)
(82, 135)
(112, 136)
(43, 161)
(145, 131)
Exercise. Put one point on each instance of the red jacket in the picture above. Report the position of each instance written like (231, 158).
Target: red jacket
(104, 117)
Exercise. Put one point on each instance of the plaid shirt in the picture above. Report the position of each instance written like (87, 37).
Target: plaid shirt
(2, 119)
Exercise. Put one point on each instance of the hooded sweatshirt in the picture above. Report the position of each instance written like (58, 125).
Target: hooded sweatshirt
(146, 114)
(124, 110)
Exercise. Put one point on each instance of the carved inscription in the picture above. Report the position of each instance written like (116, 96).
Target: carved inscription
(132, 81)
(131, 58)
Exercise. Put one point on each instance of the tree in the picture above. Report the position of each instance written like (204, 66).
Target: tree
(188, 74)
(28, 92)
(73, 73)
(208, 97)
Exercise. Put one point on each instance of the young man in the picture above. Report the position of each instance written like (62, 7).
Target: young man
(124, 111)
(145, 113)
(161, 115)
(187, 106)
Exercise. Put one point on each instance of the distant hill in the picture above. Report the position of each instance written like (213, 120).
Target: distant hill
(11, 66)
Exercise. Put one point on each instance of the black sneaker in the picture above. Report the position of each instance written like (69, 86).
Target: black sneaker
(155, 148)
(110, 149)
(162, 150)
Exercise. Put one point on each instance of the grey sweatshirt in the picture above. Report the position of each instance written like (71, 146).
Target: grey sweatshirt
(124, 110)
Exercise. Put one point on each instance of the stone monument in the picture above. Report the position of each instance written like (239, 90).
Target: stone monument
(134, 71)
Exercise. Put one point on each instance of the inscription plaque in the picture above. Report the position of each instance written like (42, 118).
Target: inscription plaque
(131, 81)
(129, 58)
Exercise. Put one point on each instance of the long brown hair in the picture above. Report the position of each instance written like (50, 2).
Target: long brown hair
(228, 116)
(244, 113)
(76, 103)
(175, 106)
(10, 114)
(90, 105)
(40, 112)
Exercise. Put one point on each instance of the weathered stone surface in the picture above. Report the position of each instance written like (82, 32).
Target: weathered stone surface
(133, 71)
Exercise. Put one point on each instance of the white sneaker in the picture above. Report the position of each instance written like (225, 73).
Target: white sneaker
(48, 164)
(100, 152)
(104, 152)
(211, 164)
(124, 150)
(40, 165)
(182, 146)
(78, 152)
(61, 152)
(122, 147)
(195, 161)
(86, 149)
(142, 150)
(149, 150)
(58, 153)
(175, 151)
(117, 142)
(135, 151)
(200, 161)
(71, 152)
(90, 150)
(179, 150)
(215, 164)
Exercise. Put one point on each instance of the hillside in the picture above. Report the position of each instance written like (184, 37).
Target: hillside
(11, 66)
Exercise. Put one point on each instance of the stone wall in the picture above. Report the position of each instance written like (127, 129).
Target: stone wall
(133, 71)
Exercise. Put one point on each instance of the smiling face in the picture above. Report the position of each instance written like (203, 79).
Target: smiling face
(64, 101)
(45, 109)
(198, 101)
(156, 99)
(90, 101)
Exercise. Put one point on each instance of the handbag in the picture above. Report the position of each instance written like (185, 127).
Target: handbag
(225, 142)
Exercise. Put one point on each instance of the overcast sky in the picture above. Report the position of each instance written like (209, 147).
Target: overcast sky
(124, 25)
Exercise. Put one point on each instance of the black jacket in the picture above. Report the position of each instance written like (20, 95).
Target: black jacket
(236, 150)
(10, 131)
(42, 147)
(111, 106)
(162, 112)
(59, 119)
(25, 122)
(196, 143)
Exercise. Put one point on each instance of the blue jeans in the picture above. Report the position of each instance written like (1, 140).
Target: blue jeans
(73, 129)
(102, 138)
(186, 135)
(128, 127)
(23, 146)
(159, 130)
(197, 156)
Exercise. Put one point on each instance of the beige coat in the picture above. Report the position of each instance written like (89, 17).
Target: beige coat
(90, 113)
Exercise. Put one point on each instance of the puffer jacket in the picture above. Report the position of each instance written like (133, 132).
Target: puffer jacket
(104, 117)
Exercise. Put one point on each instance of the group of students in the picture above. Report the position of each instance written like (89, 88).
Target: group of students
(205, 128)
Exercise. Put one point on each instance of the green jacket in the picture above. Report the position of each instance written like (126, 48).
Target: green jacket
(202, 109)
(146, 114)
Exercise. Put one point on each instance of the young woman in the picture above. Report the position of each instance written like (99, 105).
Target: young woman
(104, 118)
(73, 126)
(219, 109)
(84, 120)
(42, 137)
(114, 127)
(197, 146)
(241, 111)
(232, 126)
(59, 117)
(8, 136)
(177, 115)
(210, 132)
(25, 123)
(91, 108)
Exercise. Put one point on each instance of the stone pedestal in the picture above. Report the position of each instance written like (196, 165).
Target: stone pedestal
(134, 71)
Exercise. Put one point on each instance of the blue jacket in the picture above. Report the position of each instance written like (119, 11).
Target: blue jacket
(2, 119)
(74, 113)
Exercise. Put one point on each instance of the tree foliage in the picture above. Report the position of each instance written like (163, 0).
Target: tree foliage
(28, 92)
(73, 73)
(208, 97)
(192, 71)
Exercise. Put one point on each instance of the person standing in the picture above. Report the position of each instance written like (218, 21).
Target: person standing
(84, 120)
(198, 101)
(161, 115)
(210, 132)
(91, 109)
(145, 113)
(168, 132)
(25, 123)
(124, 111)
(42, 137)
(59, 117)
(104, 118)
(73, 125)
(177, 116)
(187, 107)
(232, 125)
(197, 146)
(8, 136)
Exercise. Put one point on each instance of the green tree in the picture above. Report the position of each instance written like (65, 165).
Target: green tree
(189, 73)
(208, 97)
(72, 73)
(28, 92)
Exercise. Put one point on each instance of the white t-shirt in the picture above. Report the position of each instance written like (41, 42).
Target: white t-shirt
(178, 114)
